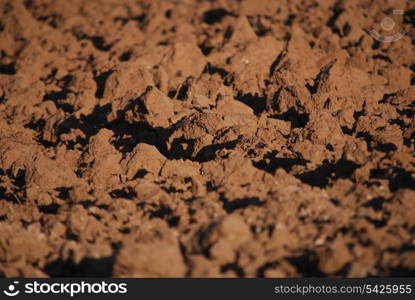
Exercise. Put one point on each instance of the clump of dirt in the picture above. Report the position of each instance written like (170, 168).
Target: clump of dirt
(206, 138)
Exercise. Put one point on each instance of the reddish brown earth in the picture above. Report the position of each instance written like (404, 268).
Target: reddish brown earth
(206, 138)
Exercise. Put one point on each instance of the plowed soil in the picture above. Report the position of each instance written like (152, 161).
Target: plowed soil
(206, 138)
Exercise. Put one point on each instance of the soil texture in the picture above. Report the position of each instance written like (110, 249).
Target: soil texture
(228, 138)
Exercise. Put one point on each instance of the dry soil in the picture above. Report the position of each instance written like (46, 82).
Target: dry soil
(206, 138)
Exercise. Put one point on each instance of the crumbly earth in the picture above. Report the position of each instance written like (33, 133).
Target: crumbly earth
(206, 138)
